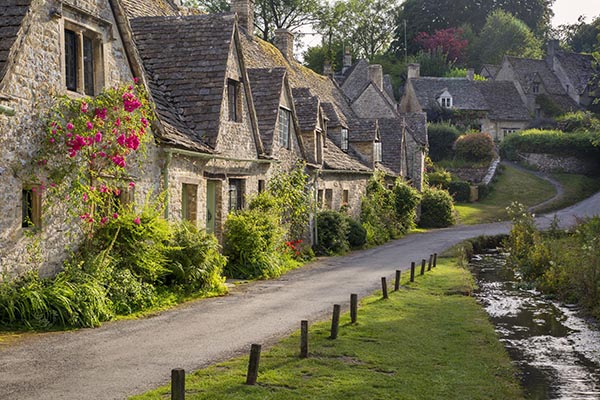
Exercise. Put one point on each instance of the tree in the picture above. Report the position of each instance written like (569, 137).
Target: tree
(210, 6)
(449, 41)
(581, 37)
(504, 34)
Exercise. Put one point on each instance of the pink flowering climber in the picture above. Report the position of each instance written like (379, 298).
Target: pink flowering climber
(137, 221)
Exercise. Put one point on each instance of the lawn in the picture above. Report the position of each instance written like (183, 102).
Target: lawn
(427, 341)
(576, 188)
(512, 185)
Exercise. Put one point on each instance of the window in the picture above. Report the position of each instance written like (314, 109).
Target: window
(344, 197)
(236, 194)
(320, 198)
(377, 151)
(189, 202)
(508, 131)
(446, 102)
(344, 146)
(83, 61)
(285, 120)
(31, 208)
(233, 96)
(535, 88)
(328, 198)
(261, 185)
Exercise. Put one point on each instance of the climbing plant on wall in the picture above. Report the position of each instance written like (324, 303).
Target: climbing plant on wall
(89, 149)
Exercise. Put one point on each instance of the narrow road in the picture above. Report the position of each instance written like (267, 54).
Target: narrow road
(129, 357)
(560, 191)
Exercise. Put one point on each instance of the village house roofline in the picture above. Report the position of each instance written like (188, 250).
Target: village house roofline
(579, 68)
(13, 22)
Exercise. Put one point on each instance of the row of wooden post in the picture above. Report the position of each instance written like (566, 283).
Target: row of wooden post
(178, 374)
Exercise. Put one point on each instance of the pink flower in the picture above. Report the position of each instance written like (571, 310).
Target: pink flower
(101, 113)
(98, 137)
(137, 221)
(103, 189)
(117, 192)
(104, 220)
(121, 140)
(52, 140)
(52, 184)
(118, 160)
(132, 184)
(69, 126)
(144, 122)
(84, 216)
(84, 107)
(85, 197)
(132, 142)
(115, 216)
(89, 125)
(54, 131)
(102, 154)
(136, 80)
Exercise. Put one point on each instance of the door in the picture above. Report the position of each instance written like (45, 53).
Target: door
(211, 205)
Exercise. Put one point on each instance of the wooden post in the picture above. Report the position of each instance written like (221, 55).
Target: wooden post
(397, 281)
(335, 321)
(423, 266)
(253, 364)
(430, 262)
(303, 339)
(178, 384)
(434, 260)
(384, 287)
(353, 307)
(412, 271)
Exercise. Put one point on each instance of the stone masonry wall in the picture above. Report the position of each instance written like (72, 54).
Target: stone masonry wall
(554, 163)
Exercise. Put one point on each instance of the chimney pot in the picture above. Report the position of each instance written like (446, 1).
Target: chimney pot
(414, 71)
(347, 60)
(245, 12)
(376, 75)
(470, 74)
(284, 41)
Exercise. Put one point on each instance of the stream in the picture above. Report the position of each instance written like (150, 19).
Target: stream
(556, 350)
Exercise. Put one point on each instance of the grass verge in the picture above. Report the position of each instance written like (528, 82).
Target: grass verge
(576, 188)
(512, 185)
(427, 341)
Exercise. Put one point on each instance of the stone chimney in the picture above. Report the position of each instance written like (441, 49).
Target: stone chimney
(327, 69)
(414, 71)
(245, 12)
(347, 60)
(470, 74)
(376, 75)
(284, 41)
(552, 47)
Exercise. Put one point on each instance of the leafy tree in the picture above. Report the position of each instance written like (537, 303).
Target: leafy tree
(211, 6)
(448, 40)
(505, 34)
(581, 37)
(433, 63)
(315, 57)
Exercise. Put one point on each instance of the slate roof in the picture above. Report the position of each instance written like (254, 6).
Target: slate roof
(267, 86)
(527, 70)
(504, 101)
(391, 133)
(578, 67)
(12, 13)
(492, 69)
(186, 82)
(387, 86)
(153, 8)
(335, 158)
(465, 95)
(363, 130)
(307, 109)
(356, 79)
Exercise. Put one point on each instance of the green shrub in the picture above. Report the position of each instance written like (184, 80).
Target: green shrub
(578, 121)
(441, 139)
(460, 191)
(332, 231)
(253, 245)
(406, 200)
(437, 209)
(194, 261)
(484, 190)
(476, 147)
(576, 144)
(548, 105)
(439, 178)
(378, 214)
(357, 235)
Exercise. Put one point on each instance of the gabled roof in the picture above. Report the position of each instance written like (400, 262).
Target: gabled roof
(186, 81)
(356, 79)
(12, 13)
(503, 100)
(307, 109)
(527, 70)
(334, 158)
(153, 8)
(363, 130)
(394, 132)
(492, 70)
(578, 67)
(465, 95)
(267, 86)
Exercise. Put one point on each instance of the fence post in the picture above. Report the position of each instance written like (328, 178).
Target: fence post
(423, 266)
(253, 364)
(335, 321)
(177, 384)
(430, 262)
(303, 339)
(434, 260)
(412, 271)
(384, 287)
(353, 307)
(397, 281)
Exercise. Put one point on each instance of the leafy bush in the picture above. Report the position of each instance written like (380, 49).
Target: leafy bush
(357, 235)
(253, 242)
(578, 121)
(441, 139)
(378, 214)
(439, 178)
(437, 209)
(194, 260)
(406, 200)
(484, 190)
(576, 144)
(476, 147)
(333, 231)
(460, 191)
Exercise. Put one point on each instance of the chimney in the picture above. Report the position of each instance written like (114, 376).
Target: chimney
(347, 60)
(414, 71)
(327, 69)
(552, 47)
(284, 41)
(376, 75)
(245, 12)
(470, 74)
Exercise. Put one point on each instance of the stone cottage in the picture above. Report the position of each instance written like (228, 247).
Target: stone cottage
(495, 107)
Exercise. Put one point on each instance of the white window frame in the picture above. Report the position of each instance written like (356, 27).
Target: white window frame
(377, 152)
(344, 139)
(285, 127)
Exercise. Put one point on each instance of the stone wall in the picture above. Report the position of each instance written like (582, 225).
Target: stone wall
(354, 183)
(372, 104)
(555, 163)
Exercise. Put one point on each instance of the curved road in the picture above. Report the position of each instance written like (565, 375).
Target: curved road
(129, 357)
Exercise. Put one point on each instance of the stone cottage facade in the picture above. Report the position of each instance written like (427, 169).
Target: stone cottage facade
(231, 111)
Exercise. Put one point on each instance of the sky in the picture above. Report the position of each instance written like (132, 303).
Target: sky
(567, 11)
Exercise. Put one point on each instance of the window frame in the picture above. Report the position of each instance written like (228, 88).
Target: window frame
(377, 152)
(284, 124)
(344, 139)
(31, 207)
(83, 54)
(189, 202)
(234, 100)
(235, 194)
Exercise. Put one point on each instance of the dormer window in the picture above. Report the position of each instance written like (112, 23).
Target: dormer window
(535, 88)
(445, 100)
(344, 142)
(377, 152)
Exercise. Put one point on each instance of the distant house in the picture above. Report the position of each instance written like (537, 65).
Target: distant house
(496, 107)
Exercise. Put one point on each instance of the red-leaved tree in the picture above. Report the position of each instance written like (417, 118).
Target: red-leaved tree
(449, 40)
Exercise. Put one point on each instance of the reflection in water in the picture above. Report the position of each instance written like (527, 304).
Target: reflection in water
(557, 351)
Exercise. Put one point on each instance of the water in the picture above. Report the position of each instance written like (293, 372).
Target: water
(554, 347)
